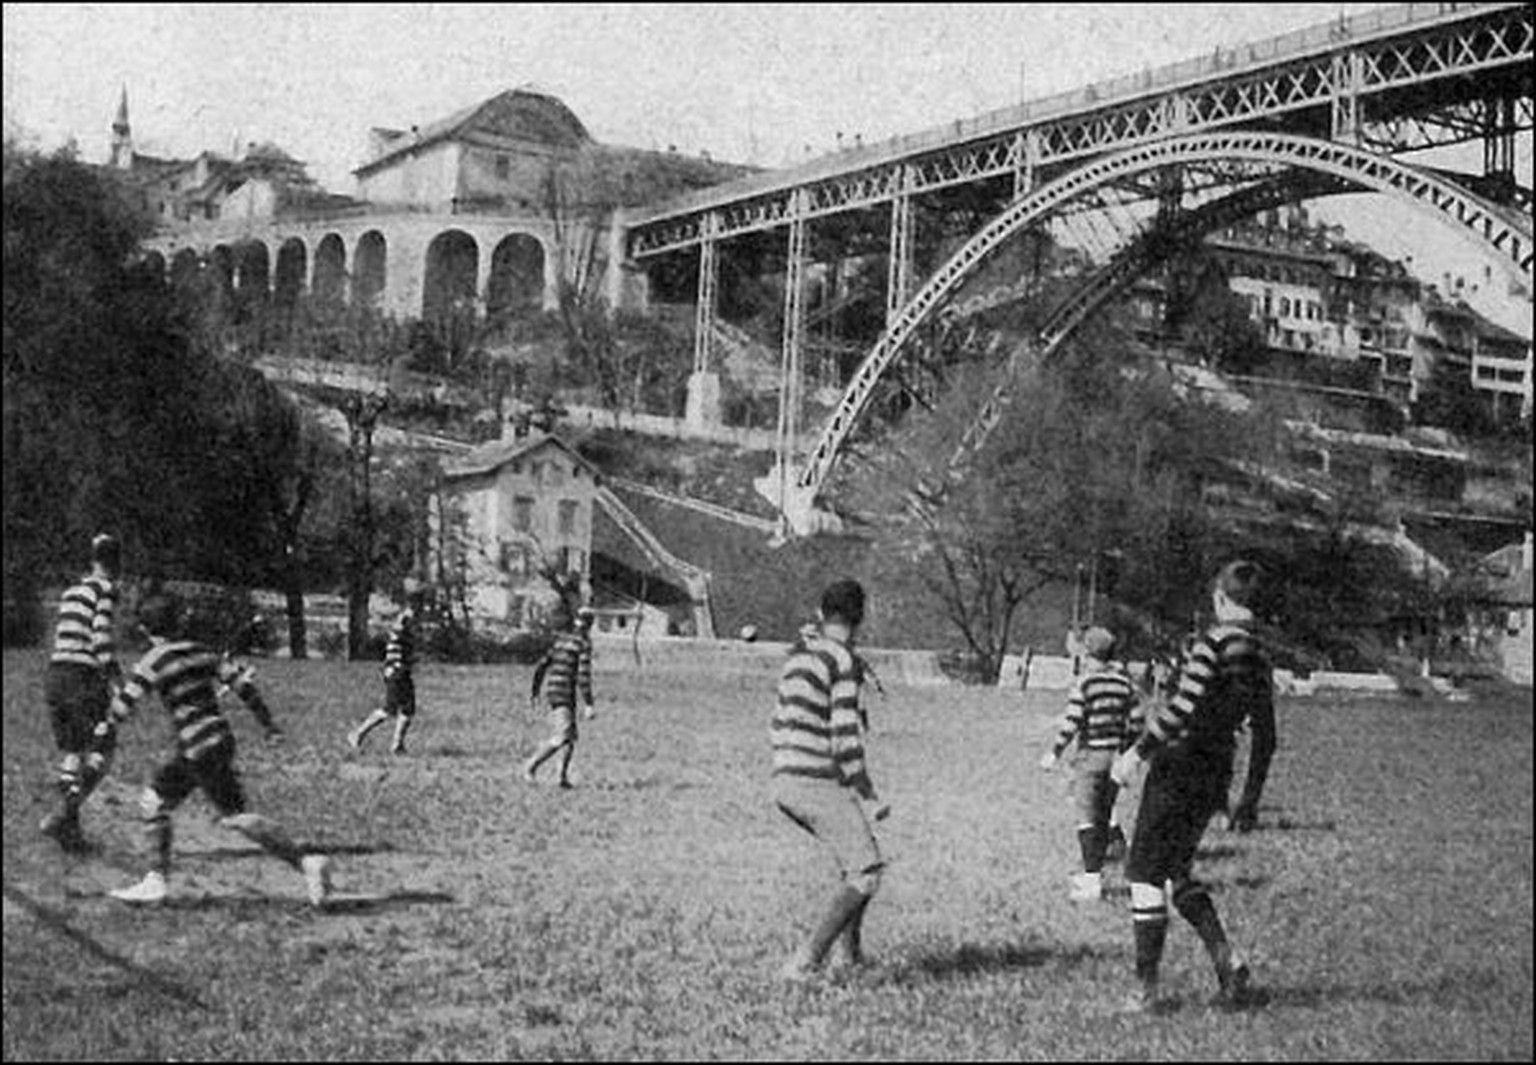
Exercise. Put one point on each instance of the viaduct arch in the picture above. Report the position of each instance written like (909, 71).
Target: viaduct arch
(407, 264)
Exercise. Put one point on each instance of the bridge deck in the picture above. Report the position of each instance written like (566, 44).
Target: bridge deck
(1225, 65)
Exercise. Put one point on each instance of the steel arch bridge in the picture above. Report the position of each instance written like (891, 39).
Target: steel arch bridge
(1236, 154)
(1315, 112)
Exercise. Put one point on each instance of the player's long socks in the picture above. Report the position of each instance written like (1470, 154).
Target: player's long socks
(845, 906)
(1149, 918)
(542, 755)
(157, 826)
(65, 825)
(1093, 841)
(1193, 901)
(70, 780)
(853, 933)
(402, 726)
(97, 764)
(373, 721)
(567, 751)
(268, 835)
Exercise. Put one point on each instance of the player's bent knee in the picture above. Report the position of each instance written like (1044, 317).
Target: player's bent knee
(1147, 896)
(866, 881)
(1186, 891)
(151, 805)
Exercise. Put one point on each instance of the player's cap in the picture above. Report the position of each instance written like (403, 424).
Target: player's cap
(844, 599)
(1098, 642)
(1240, 582)
(160, 614)
(106, 550)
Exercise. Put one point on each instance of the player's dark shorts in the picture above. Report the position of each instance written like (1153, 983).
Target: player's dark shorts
(77, 697)
(400, 695)
(1178, 800)
(1093, 792)
(212, 772)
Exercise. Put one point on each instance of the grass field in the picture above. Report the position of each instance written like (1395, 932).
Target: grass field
(1386, 901)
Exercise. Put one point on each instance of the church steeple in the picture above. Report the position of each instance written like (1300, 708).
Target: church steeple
(122, 136)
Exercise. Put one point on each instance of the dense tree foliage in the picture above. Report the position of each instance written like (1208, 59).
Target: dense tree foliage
(1106, 464)
(1096, 457)
(1450, 402)
(115, 415)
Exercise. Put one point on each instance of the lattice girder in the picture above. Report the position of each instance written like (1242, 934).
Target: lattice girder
(1394, 79)
(1510, 237)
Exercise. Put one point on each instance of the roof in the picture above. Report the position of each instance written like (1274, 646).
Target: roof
(1502, 576)
(517, 114)
(1489, 330)
(270, 151)
(488, 458)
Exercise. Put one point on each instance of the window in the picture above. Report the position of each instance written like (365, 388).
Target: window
(503, 167)
(522, 513)
(567, 515)
(1285, 306)
(514, 559)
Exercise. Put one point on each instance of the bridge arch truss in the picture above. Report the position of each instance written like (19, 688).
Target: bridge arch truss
(1236, 159)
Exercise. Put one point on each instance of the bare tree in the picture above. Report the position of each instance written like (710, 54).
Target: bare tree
(1095, 455)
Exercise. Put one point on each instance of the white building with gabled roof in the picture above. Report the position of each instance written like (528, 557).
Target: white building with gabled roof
(508, 514)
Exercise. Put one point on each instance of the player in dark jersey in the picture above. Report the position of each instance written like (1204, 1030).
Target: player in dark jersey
(78, 687)
(567, 668)
(1103, 718)
(186, 675)
(1224, 681)
(399, 685)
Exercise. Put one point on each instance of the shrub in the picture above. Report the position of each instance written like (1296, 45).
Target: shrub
(463, 646)
(23, 612)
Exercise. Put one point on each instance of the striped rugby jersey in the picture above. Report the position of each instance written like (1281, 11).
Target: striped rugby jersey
(83, 634)
(567, 666)
(817, 729)
(1104, 712)
(400, 651)
(1223, 682)
(186, 675)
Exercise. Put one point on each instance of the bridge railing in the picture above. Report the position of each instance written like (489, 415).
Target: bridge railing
(1338, 33)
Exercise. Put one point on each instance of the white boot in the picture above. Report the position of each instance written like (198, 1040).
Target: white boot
(317, 878)
(149, 890)
(1087, 887)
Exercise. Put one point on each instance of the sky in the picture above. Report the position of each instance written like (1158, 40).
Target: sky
(762, 84)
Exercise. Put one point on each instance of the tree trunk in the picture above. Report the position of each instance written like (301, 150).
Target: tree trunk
(362, 415)
(298, 631)
(358, 589)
